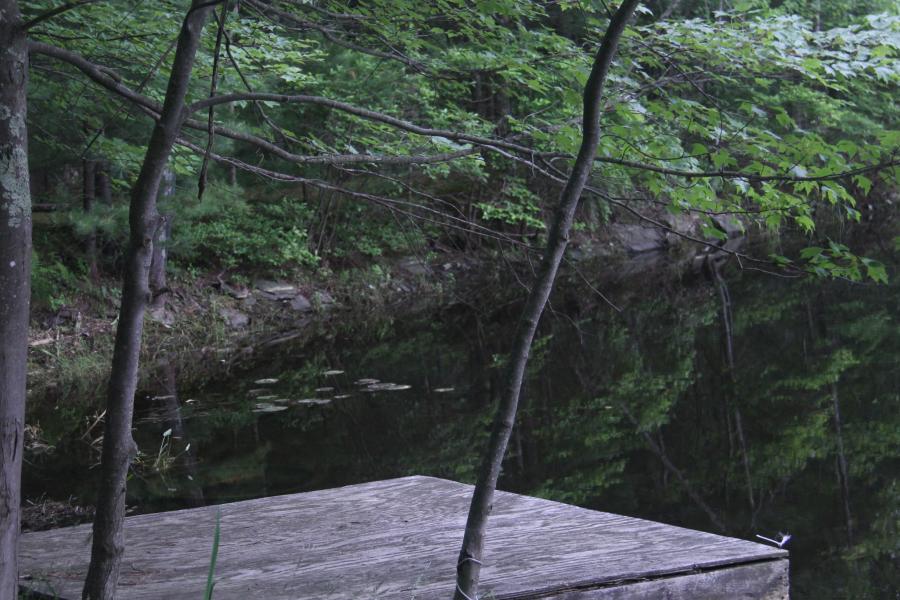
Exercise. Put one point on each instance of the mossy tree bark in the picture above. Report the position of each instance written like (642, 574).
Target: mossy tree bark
(15, 277)
(108, 543)
(470, 556)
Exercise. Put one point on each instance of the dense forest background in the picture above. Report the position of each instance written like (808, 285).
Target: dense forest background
(789, 89)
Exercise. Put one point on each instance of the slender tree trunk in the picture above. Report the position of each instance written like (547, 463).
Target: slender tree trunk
(160, 255)
(673, 6)
(728, 326)
(103, 185)
(172, 412)
(468, 568)
(843, 470)
(15, 275)
(119, 448)
(157, 278)
(88, 194)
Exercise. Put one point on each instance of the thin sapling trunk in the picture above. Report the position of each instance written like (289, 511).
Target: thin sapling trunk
(468, 569)
(119, 448)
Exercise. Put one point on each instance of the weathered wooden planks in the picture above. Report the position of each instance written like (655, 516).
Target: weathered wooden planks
(398, 539)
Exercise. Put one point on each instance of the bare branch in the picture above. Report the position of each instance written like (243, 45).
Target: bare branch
(455, 222)
(210, 123)
(103, 77)
(263, 9)
(44, 16)
(360, 112)
(494, 143)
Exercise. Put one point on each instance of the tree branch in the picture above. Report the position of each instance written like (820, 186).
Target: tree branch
(268, 8)
(109, 80)
(214, 82)
(44, 16)
(494, 143)
(455, 222)
(364, 113)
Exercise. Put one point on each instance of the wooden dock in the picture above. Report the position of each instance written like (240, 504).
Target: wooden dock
(398, 539)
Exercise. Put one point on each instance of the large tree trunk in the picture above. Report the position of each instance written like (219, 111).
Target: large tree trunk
(15, 276)
(118, 446)
(470, 556)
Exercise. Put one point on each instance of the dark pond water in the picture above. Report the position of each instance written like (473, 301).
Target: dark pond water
(636, 412)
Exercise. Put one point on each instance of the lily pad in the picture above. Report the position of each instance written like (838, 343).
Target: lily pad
(313, 401)
(332, 373)
(263, 407)
(267, 381)
(443, 390)
(387, 387)
(325, 389)
(365, 381)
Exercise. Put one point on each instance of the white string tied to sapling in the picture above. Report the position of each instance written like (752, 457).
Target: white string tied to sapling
(785, 538)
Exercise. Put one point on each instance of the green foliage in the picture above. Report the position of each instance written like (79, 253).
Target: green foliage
(226, 229)
(52, 282)
(836, 260)
(210, 581)
(796, 89)
(516, 204)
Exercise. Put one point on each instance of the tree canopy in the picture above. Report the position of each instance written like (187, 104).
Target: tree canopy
(463, 115)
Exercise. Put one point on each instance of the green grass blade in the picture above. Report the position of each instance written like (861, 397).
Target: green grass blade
(210, 584)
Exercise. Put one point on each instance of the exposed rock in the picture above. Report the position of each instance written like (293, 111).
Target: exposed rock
(730, 224)
(636, 239)
(234, 318)
(238, 293)
(301, 303)
(276, 290)
(162, 315)
(414, 266)
(685, 224)
(323, 298)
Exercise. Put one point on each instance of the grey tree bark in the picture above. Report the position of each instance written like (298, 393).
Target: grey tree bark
(103, 184)
(160, 255)
(468, 569)
(108, 542)
(15, 277)
(88, 194)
